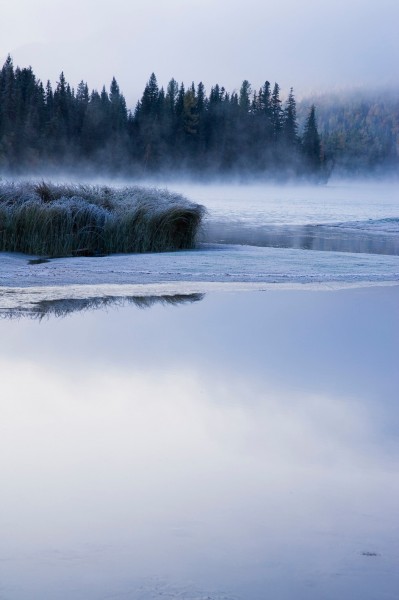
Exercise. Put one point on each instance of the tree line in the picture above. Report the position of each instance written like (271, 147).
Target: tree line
(174, 129)
(360, 131)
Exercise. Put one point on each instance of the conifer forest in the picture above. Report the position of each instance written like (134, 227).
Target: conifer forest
(179, 129)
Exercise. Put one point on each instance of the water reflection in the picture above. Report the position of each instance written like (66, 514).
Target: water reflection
(200, 464)
(65, 306)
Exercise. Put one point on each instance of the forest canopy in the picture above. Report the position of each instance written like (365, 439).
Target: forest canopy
(181, 129)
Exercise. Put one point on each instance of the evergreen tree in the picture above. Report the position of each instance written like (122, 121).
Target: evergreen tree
(82, 103)
(201, 108)
(62, 117)
(265, 100)
(7, 112)
(117, 109)
(276, 112)
(169, 121)
(311, 141)
(290, 125)
(94, 136)
(149, 100)
(244, 98)
(149, 126)
(190, 117)
(30, 117)
(179, 139)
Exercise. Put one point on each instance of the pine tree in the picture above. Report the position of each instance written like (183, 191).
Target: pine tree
(149, 100)
(7, 112)
(201, 112)
(81, 106)
(290, 125)
(149, 125)
(62, 117)
(30, 117)
(117, 109)
(244, 98)
(311, 143)
(171, 97)
(276, 113)
(264, 99)
(95, 127)
(190, 114)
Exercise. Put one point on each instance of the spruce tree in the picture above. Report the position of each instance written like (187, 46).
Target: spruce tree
(7, 112)
(290, 125)
(311, 141)
(276, 113)
(149, 126)
(244, 97)
(117, 108)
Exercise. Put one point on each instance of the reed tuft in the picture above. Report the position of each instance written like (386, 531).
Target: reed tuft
(52, 220)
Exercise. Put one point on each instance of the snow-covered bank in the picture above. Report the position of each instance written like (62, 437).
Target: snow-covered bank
(210, 268)
(207, 264)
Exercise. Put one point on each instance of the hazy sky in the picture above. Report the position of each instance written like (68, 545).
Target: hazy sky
(313, 45)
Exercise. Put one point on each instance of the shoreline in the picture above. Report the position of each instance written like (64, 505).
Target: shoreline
(217, 265)
(20, 300)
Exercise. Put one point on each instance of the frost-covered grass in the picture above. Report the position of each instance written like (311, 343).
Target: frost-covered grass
(67, 220)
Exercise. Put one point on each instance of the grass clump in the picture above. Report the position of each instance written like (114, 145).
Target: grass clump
(57, 220)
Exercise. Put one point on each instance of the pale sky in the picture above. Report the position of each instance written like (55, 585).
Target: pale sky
(310, 45)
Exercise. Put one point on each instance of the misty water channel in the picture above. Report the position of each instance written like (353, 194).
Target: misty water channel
(229, 445)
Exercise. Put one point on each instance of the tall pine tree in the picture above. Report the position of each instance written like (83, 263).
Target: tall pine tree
(311, 142)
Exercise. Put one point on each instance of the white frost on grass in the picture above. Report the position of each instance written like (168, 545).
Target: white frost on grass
(69, 220)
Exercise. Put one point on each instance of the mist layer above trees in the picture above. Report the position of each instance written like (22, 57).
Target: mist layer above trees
(360, 131)
(172, 130)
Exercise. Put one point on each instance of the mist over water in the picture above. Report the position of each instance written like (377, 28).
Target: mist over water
(347, 215)
(357, 217)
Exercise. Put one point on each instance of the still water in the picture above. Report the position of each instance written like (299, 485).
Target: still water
(339, 217)
(234, 445)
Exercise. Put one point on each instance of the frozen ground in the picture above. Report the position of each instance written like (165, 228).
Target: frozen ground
(208, 268)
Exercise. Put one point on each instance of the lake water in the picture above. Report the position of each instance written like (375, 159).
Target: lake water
(340, 216)
(234, 445)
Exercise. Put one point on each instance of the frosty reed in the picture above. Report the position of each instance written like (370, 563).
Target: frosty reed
(68, 220)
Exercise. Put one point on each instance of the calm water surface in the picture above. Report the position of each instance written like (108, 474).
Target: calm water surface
(242, 445)
(339, 217)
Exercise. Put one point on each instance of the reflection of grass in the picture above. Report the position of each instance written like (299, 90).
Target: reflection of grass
(66, 306)
(78, 220)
